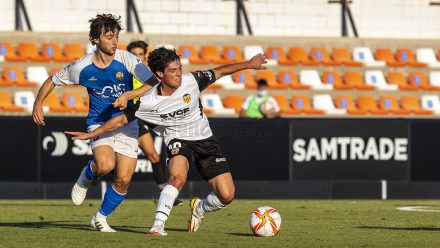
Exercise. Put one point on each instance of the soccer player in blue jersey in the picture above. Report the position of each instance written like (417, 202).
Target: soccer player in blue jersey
(106, 73)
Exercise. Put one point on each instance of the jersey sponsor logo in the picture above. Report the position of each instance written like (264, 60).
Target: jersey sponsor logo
(187, 98)
(60, 142)
(119, 75)
(111, 91)
(350, 148)
(178, 114)
(93, 79)
(218, 160)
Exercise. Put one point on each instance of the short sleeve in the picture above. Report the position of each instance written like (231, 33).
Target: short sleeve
(136, 67)
(204, 78)
(245, 105)
(65, 76)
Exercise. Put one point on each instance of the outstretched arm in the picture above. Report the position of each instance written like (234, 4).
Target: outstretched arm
(255, 63)
(37, 111)
(108, 126)
(122, 100)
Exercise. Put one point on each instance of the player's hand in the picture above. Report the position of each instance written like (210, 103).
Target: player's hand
(38, 114)
(258, 61)
(121, 102)
(79, 135)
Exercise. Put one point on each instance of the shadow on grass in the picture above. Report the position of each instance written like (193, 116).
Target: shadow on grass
(67, 225)
(401, 228)
(242, 234)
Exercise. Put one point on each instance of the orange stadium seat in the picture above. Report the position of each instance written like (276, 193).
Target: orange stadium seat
(305, 105)
(285, 107)
(232, 54)
(53, 50)
(6, 103)
(288, 77)
(407, 56)
(15, 74)
(30, 51)
(246, 78)
(390, 103)
(269, 76)
(233, 101)
(4, 83)
(211, 54)
(368, 103)
(320, 54)
(412, 104)
(73, 50)
(385, 54)
(299, 55)
(75, 101)
(332, 77)
(122, 46)
(342, 55)
(7, 50)
(55, 69)
(355, 80)
(397, 77)
(53, 102)
(189, 52)
(277, 53)
(419, 79)
(347, 102)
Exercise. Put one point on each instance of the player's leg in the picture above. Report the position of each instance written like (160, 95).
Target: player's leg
(115, 194)
(178, 169)
(103, 162)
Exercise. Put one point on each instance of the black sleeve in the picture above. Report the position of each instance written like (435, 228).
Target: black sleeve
(131, 110)
(204, 78)
(152, 81)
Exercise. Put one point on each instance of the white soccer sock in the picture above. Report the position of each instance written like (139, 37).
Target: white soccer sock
(161, 186)
(100, 216)
(165, 204)
(210, 204)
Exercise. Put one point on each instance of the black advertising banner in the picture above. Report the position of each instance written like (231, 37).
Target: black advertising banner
(18, 149)
(350, 149)
(425, 136)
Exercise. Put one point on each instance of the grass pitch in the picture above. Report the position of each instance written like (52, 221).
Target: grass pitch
(306, 223)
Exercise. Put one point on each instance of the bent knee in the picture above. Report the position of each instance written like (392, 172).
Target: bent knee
(227, 197)
(177, 181)
(121, 184)
(104, 167)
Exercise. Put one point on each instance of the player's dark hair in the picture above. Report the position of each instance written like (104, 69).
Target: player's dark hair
(103, 23)
(138, 44)
(160, 58)
(261, 82)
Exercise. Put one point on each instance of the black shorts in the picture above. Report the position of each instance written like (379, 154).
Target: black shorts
(143, 128)
(205, 154)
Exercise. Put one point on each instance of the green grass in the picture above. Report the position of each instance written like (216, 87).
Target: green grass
(306, 223)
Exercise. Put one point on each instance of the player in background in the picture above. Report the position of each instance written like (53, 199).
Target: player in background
(173, 108)
(139, 48)
(261, 105)
(106, 73)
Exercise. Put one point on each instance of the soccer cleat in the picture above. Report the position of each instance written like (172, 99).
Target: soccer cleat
(158, 231)
(100, 225)
(178, 202)
(196, 217)
(79, 190)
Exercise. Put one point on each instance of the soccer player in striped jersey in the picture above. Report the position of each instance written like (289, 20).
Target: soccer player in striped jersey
(106, 73)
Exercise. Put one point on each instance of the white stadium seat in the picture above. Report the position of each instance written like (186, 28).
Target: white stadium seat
(24, 99)
(376, 78)
(434, 78)
(228, 83)
(431, 102)
(312, 79)
(214, 103)
(251, 51)
(37, 74)
(427, 55)
(325, 103)
(364, 55)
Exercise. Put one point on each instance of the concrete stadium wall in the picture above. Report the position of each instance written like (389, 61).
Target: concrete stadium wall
(374, 18)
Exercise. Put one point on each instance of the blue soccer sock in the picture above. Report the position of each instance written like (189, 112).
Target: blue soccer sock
(87, 176)
(112, 200)
(90, 175)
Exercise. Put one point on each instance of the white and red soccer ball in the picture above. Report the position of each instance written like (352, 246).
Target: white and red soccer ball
(265, 221)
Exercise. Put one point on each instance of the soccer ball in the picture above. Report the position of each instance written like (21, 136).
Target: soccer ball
(265, 221)
(266, 107)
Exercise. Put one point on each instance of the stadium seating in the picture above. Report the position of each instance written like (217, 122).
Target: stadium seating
(406, 55)
(420, 80)
(53, 51)
(269, 76)
(53, 102)
(285, 107)
(74, 101)
(355, 80)
(232, 54)
(213, 102)
(398, 78)
(288, 77)
(189, 52)
(325, 103)
(304, 104)
(385, 54)
(342, 55)
(364, 55)
(226, 82)
(30, 51)
(211, 54)
(7, 50)
(368, 103)
(411, 103)
(320, 54)
(73, 51)
(24, 99)
(347, 102)
(298, 55)
(15, 74)
(6, 104)
(434, 78)
(390, 103)
(432, 103)
(332, 77)
(427, 56)
(233, 101)
(37, 74)
(311, 78)
(375, 78)
(251, 51)
(245, 77)
(277, 53)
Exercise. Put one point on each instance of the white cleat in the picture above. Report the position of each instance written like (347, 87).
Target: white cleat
(100, 225)
(79, 190)
(196, 218)
(158, 231)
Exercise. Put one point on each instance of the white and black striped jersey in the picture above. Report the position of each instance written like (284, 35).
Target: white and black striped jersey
(179, 116)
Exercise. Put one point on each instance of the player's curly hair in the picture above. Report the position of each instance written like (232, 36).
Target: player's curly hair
(160, 58)
(103, 23)
(138, 44)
